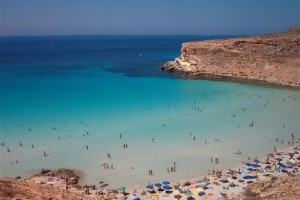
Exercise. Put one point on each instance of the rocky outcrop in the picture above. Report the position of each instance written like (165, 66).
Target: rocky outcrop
(14, 189)
(275, 187)
(267, 59)
(66, 173)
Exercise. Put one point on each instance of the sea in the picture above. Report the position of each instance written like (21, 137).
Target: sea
(76, 101)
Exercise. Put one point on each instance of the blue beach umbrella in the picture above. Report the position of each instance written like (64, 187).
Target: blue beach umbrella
(166, 182)
(279, 159)
(257, 161)
(248, 164)
(166, 187)
(256, 165)
(248, 177)
(291, 154)
(283, 166)
(157, 184)
(149, 186)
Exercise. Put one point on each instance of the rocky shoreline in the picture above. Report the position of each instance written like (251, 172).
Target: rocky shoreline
(272, 59)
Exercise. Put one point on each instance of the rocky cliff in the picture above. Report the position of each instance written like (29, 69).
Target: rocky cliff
(266, 59)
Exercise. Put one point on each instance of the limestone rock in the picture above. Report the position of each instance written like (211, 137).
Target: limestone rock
(266, 59)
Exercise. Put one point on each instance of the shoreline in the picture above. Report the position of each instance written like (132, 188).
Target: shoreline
(240, 165)
(214, 190)
(222, 78)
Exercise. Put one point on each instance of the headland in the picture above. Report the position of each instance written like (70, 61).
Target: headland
(272, 59)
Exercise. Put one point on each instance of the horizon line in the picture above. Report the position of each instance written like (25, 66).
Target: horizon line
(127, 35)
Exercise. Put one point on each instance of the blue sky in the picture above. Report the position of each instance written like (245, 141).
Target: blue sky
(184, 17)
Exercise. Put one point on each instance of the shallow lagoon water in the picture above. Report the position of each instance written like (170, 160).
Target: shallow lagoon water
(61, 93)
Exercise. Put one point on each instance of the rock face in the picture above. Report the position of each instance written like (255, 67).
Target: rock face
(266, 59)
(14, 189)
(275, 187)
(67, 173)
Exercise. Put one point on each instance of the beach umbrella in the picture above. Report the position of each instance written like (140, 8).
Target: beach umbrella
(248, 164)
(157, 184)
(291, 154)
(166, 187)
(190, 198)
(122, 188)
(201, 193)
(134, 196)
(292, 161)
(283, 166)
(279, 159)
(177, 196)
(196, 191)
(231, 170)
(149, 186)
(257, 161)
(223, 178)
(256, 165)
(166, 182)
(203, 184)
(248, 177)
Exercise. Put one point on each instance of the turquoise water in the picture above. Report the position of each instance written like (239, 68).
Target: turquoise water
(63, 87)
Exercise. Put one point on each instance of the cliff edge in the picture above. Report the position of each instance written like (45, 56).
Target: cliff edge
(265, 59)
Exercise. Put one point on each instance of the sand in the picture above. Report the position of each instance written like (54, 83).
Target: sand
(213, 187)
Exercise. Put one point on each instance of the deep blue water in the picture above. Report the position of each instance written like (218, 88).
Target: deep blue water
(121, 54)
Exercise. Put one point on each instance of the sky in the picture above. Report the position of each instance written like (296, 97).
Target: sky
(159, 17)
